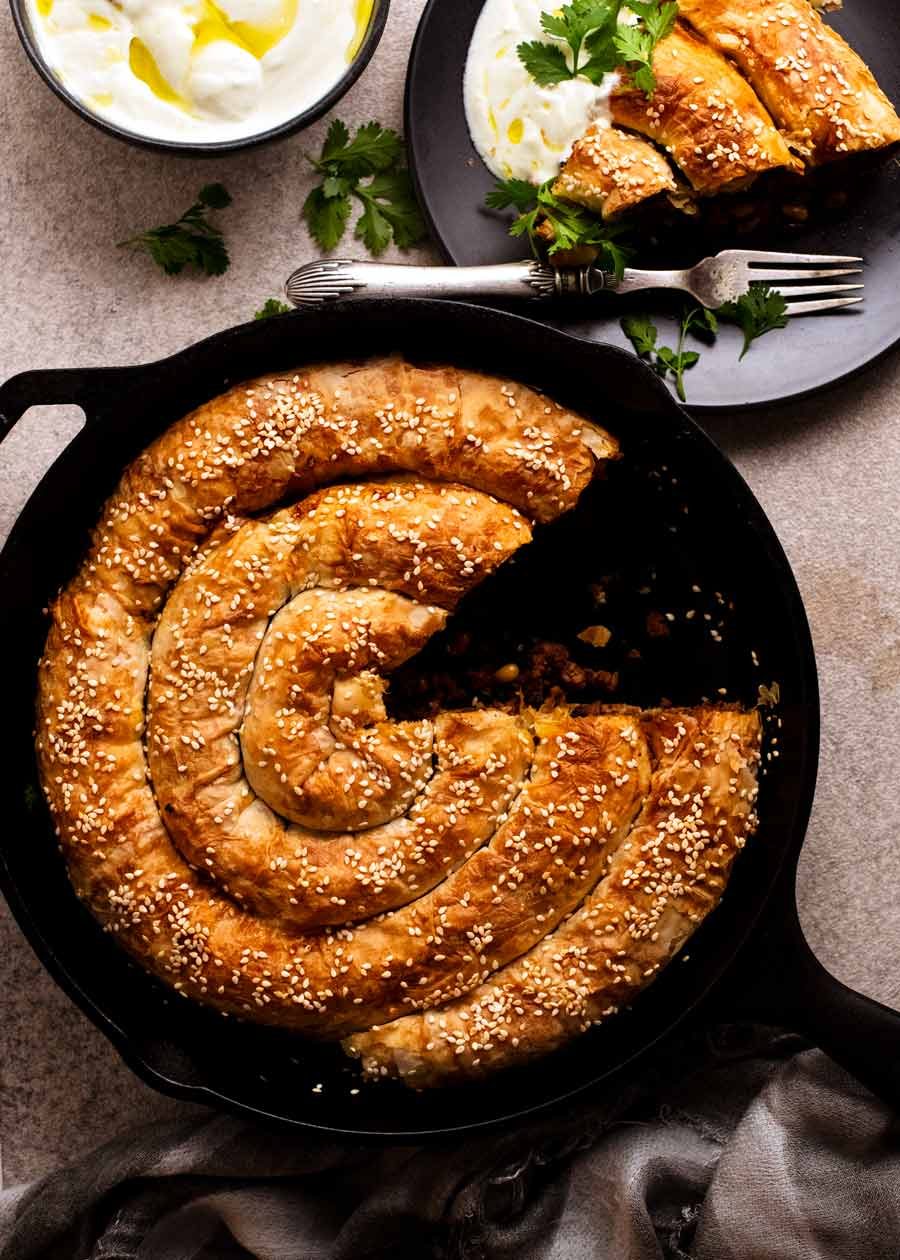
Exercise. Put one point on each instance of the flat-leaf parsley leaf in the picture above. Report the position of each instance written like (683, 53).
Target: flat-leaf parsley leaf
(546, 63)
(326, 216)
(389, 196)
(518, 193)
(641, 333)
(541, 214)
(370, 168)
(271, 306)
(758, 311)
(586, 27)
(192, 241)
(635, 44)
(596, 41)
(643, 336)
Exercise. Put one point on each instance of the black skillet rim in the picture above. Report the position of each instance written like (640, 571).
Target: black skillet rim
(800, 801)
(217, 148)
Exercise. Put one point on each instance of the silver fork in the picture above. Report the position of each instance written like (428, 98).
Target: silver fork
(712, 282)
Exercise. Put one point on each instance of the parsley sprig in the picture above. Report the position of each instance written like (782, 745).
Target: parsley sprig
(370, 168)
(643, 336)
(191, 241)
(587, 27)
(635, 44)
(571, 226)
(758, 311)
(271, 306)
(587, 40)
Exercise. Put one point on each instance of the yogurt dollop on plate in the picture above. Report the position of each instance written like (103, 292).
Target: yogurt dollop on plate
(521, 130)
(199, 70)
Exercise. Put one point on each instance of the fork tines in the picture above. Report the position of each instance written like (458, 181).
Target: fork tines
(771, 266)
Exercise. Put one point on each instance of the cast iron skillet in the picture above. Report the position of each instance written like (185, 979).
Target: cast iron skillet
(672, 515)
(451, 182)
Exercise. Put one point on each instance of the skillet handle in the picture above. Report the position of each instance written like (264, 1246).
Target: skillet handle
(85, 387)
(780, 981)
(859, 1033)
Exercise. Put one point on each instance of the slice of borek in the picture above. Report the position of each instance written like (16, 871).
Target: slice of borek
(819, 91)
(704, 114)
(610, 172)
(662, 881)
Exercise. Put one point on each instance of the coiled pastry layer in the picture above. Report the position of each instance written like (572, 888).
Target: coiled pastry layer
(260, 834)
(704, 114)
(234, 800)
(662, 880)
(821, 93)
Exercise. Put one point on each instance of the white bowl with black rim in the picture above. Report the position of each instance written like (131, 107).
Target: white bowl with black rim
(28, 13)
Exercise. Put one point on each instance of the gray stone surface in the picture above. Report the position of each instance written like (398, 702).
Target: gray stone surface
(826, 471)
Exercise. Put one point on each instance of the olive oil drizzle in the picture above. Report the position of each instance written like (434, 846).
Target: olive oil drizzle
(362, 17)
(213, 25)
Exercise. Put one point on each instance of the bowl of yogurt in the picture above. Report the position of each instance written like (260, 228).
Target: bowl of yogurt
(522, 130)
(200, 76)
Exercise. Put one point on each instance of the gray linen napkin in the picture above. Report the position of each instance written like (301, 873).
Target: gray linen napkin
(737, 1144)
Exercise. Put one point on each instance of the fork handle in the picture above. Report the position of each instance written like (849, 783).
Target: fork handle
(329, 279)
(634, 280)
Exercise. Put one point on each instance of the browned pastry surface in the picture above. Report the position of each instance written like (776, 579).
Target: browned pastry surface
(819, 91)
(704, 114)
(661, 882)
(266, 641)
(339, 813)
(743, 87)
(611, 172)
(236, 804)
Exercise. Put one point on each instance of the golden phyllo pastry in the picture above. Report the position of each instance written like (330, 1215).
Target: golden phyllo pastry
(236, 802)
(704, 114)
(611, 172)
(742, 87)
(819, 91)
(660, 883)
(229, 830)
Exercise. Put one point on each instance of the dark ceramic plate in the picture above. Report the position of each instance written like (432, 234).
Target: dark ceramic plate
(812, 352)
